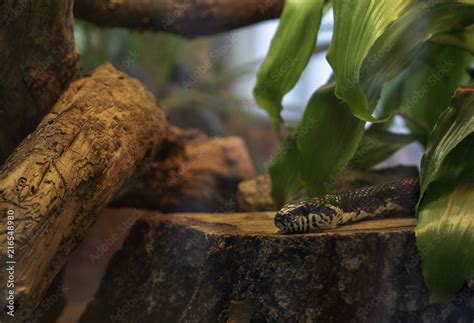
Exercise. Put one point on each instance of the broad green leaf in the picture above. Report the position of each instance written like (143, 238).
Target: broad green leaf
(357, 26)
(445, 227)
(318, 152)
(463, 40)
(391, 99)
(395, 38)
(285, 173)
(423, 90)
(290, 51)
(403, 39)
(430, 84)
(328, 137)
(377, 145)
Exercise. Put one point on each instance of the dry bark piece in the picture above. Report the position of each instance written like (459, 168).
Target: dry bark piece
(37, 62)
(199, 174)
(233, 267)
(62, 175)
(187, 18)
(255, 195)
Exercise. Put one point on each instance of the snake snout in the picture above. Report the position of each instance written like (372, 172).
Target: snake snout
(281, 222)
(288, 219)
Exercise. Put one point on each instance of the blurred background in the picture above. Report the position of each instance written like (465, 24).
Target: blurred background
(207, 83)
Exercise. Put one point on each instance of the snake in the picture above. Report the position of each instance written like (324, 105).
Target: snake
(392, 199)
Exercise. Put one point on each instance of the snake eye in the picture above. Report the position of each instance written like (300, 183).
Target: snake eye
(325, 210)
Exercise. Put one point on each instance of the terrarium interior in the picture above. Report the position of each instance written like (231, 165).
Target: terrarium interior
(240, 161)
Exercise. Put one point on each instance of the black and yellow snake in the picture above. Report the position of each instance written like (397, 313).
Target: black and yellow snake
(329, 211)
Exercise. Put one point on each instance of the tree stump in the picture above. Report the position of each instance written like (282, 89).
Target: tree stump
(237, 268)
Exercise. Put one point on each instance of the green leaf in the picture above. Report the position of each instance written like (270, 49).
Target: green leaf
(430, 84)
(284, 172)
(328, 137)
(445, 227)
(423, 90)
(377, 145)
(357, 26)
(404, 38)
(463, 40)
(372, 48)
(317, 154)
(391, 99)
(290, 51)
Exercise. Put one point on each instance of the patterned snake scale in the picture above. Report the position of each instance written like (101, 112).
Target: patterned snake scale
(329, 211)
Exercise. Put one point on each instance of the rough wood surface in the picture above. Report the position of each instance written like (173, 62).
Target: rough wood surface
(63, 174)
(237, 268)
(37, 62)
(193, 173)
(188, 18)
(53, 303)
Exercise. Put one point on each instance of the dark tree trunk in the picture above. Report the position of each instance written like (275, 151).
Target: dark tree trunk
(37, 62)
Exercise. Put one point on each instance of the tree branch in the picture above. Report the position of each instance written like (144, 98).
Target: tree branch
(189, 18)
(63, 174)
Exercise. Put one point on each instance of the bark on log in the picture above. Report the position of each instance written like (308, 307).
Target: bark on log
(236, 268)
(63, 174)
(37, 62)
(198, 174)
(189, 18)
(53, 303)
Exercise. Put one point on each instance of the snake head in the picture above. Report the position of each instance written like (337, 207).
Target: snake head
(305, 215)
(288, 219)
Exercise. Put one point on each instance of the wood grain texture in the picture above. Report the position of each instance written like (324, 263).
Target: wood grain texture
(238, 268)
(189, 18)
(102, 128)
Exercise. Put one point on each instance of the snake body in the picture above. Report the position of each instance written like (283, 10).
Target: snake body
(329, 211)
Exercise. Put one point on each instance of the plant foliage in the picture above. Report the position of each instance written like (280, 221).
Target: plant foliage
(389, 57)
(290, 51)
(445, 227)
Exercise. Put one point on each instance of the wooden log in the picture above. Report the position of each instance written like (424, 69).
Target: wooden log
(53, 303)
(189, 18)
(62, 175)
(193, 173)
(237, 268)
(38, 61)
